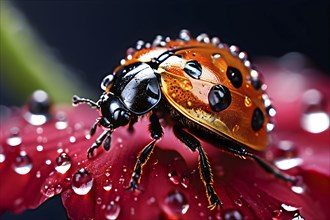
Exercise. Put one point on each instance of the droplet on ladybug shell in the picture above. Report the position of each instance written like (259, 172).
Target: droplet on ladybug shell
(219, 98)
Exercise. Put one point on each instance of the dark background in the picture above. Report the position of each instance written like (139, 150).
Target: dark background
(91, 37)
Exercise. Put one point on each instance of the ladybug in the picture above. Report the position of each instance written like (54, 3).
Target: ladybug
(209, 90)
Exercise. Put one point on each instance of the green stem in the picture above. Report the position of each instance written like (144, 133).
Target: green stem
(27, 65)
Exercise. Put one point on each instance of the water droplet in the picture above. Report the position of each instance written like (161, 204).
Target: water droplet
(38, 174)
(14, 139)
(22, 164)
(151, 201)
(216, 56)
(99, 200)
(184, 35)
(270, 126)
(39, 130)
(62, 163)
(174, 177)
(107, 186)
(61, 121)
(185, 182)
(112, 211)
(121, 181)
(247, 101)
(82, 182)
(48, 162)
(239, 202)
(48, 191)
(72, 139)
(38, 108)
(288, 163)
(235, 128)
(276, 214)
(40, 148)
(232, 214)
(315, 119)
(175, 204)
(2, 158)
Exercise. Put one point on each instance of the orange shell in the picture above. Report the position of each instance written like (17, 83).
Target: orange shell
(190, 96)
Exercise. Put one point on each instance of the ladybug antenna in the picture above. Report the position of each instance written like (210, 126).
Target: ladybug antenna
(76, 100)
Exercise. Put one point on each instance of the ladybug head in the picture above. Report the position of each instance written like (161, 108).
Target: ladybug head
(114, 113)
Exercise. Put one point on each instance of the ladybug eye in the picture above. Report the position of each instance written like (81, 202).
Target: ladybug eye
(193, 69)
(107, 81)
(235, 76)
(219, 98)
(257, 119)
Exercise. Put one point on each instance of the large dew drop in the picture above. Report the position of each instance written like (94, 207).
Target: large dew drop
(62, 163)
(22, 164)
(175, 204)
(82, 182)
(314, 119)
(38, 108)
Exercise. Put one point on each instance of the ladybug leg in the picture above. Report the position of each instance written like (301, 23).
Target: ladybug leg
(241, 151)
(204, 165)
(106, 135)
(156, 132)
(133, 120)
(97, 143)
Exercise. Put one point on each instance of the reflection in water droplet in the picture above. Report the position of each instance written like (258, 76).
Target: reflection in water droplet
(232, 214)
(82, 182)
(288, 163)
(298, 189)
(174, 177)
(2, 158)
(14, 139)
(112, 211)
(315, 122)
(175, 204)
(34, 119)
(40, 148)
(62, 163)
(22, 164)
(288, 208)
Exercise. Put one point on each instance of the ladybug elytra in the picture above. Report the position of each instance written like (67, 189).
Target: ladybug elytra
(207, 87)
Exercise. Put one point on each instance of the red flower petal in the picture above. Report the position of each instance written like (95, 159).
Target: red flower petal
(54, 158)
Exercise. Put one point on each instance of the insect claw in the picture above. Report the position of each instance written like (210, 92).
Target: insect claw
(133, 185)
